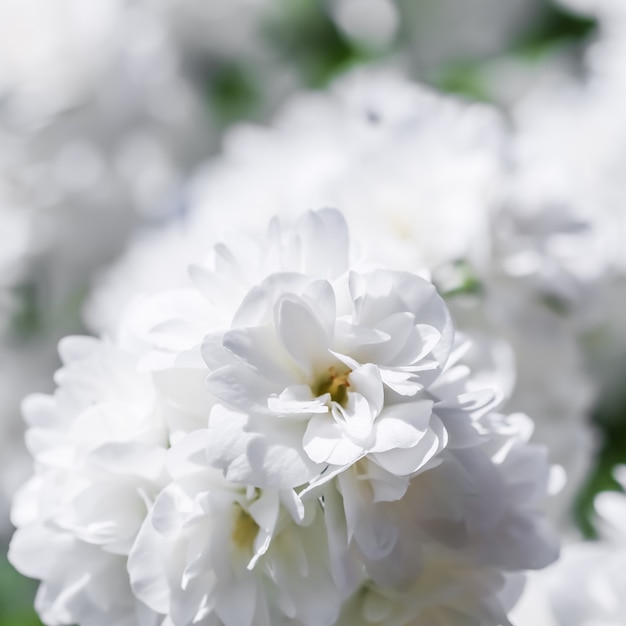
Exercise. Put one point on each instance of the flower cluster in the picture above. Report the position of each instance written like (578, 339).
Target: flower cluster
(427, 181)
(295, 439)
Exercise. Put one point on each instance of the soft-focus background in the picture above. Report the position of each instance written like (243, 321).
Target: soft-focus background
(108, 107)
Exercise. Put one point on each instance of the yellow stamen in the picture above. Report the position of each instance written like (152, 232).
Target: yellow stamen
(245, 531)
(335, 384)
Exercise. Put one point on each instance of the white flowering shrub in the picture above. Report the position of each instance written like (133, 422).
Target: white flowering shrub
(300, 427)
(294, 439)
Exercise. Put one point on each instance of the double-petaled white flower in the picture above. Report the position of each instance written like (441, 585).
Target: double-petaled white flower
(343, 368)
(345, 385)
(298, 424)
(215, 552)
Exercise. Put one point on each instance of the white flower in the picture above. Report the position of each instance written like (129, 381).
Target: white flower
(449, 593)
(425, 169)
(235, 29)
(373, 24)
(295, 354)
(494, 509)
(441, 35)
(99, 447)
(346, 386)
(297, 425)
(213, 552)
(586, 587)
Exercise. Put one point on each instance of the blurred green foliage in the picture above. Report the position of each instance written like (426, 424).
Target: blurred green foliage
(303, 32)
(556, 26)
(609, 418)
(16, 597)
(233, 92)
(27, 320)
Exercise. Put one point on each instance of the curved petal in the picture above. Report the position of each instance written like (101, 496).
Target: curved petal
(402, 425)
(302, 334)
(325, 442)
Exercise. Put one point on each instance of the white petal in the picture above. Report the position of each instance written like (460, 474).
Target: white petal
(367, 381)
(270, 458)
(77, 347)
(320, 296)
(148, 577)
(261, 350)
(402, 425)
(405, 461)
(298, 400)
(324, 243)
(355, 419)
(241, 388)
(302, 334)
(257, 307)
(237, 603)
(131, 458)
(403, 383)
(325, 442)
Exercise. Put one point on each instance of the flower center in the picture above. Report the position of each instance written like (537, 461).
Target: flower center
(245, 531)
(336, 384)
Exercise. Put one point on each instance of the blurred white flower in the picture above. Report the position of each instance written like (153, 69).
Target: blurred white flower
(586, 587)
(98, 127)
(234, 29)
(448, 32)
(568, 197)
(416, 174)
(372, 24)
(469, 597)
(377, 146)
(581, 172)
